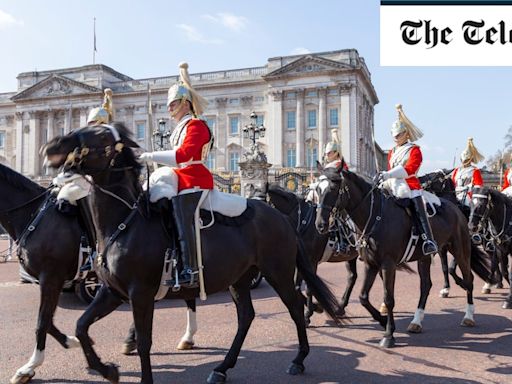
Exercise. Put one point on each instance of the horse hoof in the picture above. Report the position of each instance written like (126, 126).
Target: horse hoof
(185, 345)
(317, 308)
(486, 291)
(22, 378)
(467, 322)
(387, 342)
(112, 373)
(72, 342)
(128, 348)
(383, 309)
(307, 322)
(506, 305)
(414, 328)
(498, 285)
(216, 377)
(444, 293)
(295, 369)
(340, 312)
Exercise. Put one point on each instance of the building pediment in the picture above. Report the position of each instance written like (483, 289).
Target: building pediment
(55, 86)
(308, 65)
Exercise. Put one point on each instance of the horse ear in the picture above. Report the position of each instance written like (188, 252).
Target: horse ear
(319, 166)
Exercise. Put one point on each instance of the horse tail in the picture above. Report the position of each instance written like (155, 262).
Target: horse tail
(480, 264)
(317, 286)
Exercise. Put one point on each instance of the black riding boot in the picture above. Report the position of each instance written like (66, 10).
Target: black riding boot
(184, 207)
(429, 244)
(87, 224)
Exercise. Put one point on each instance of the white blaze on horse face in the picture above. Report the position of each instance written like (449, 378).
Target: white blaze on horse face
(323, 184)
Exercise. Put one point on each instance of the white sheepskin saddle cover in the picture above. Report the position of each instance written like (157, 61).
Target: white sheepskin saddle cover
(163, 183)
(71, 187)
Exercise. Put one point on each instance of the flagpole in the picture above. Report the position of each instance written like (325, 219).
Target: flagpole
(94, 43)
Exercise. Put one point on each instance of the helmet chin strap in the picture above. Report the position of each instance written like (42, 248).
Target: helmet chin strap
(179, 108)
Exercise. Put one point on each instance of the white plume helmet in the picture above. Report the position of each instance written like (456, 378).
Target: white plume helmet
(183, 90)
(470, 154)
(403, 124)
(334, 144)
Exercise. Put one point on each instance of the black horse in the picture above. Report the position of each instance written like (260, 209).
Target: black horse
(30, 216)
(133, 243)
(301, 214)
(441, 184)
(385, 232)
(492, 213)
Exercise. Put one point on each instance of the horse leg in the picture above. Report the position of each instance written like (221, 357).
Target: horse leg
(65, 340)
(388, 280)
(130, 343)
(351, 267)
(187, 341)
(464, 255)
(49, 291)
(241, 294)
(370, 273)
(425, 286)
(143, 307)
(443, 254)
(104, 303)
(311, 306)
(507, 304)
(292, 302)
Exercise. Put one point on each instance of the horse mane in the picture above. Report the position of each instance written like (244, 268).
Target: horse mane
(290, 198)
(128, 155)
(500, 197)
(17, 180)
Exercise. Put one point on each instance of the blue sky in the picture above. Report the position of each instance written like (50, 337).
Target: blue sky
(149, 38)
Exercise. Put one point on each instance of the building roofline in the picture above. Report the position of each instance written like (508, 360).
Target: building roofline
(103, 67)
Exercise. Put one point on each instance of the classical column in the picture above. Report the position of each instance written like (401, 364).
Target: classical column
(299, 131)
(322, 121)
(68, 113)
(275, 133)
(221, 161)
(345, 126)
(34, 143)
(83, 116)
(49, 126)
(19, 141)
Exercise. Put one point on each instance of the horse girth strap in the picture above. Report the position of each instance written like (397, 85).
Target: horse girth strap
(31, 227)
(120, 228)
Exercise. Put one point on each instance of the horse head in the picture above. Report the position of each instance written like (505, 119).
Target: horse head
(332, 194)
(438, 181)
(480, 209)
(92, 149)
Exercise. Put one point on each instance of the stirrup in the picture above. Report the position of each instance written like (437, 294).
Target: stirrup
(426, 245)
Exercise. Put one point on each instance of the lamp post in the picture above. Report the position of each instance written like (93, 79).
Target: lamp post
(253, 132)
(161, 135)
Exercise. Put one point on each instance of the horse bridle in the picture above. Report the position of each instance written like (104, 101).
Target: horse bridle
(76, 157)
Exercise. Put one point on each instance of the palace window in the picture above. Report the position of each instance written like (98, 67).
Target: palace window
(312, 157)
(291, 158)
(312, 119)
(140, 131)
(2, 139)
(290, 119)
(333, 117)
(233, 125)
(234, 158)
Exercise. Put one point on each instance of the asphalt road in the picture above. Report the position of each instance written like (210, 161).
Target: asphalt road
(444, 353)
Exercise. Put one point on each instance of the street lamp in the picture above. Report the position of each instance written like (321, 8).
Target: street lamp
(252, 131)
(161, 135)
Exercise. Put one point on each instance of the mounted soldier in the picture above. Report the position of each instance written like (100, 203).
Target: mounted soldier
(404, 161)
(332, 153)
(468, 176)
(191, 141)
(507, 180)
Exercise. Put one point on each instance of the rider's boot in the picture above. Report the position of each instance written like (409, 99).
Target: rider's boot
(86, 222)
(184, 207)
(429, 244)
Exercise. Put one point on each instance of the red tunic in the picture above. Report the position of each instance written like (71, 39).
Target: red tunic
(197, 135)
(411, 166)
(476, 180)
(506, 183)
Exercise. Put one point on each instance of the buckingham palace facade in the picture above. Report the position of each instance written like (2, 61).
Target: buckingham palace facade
(300, 99)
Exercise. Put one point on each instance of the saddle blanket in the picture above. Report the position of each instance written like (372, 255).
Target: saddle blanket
(163, 183)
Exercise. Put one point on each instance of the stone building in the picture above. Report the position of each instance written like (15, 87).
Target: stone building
(299, 99)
